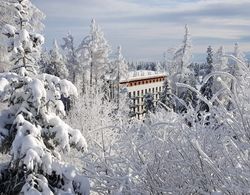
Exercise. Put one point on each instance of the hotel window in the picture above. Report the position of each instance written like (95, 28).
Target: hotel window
(159, 89)
(133, 93)
(129, 94)
(142, 92)
(156, 89)
(138, 93)
(153, 90)
(149, 90)
(146, 91)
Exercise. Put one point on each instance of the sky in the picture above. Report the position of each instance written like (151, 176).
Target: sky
(147, 28)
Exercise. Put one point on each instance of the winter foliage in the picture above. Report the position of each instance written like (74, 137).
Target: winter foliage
(24, 43)
(67, 127)
(56, 65)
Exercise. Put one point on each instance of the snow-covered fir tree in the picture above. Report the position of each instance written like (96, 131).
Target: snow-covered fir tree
(182, 74)
(33, 133)
(96, 51)
(24, 42)
(118, 71)
(121, 64)
(31, 129)
(237, 65)
(44, 60)
(166, 97)
(220, 60)
(56, 65)
(206, 89)
(149, 103)
(183, 55)
(72, 57)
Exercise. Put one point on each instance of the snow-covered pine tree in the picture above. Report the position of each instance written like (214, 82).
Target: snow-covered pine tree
(236, 66)
(149, 103)
(44, 61)
(183, 56)
(31, 130)
(239, 54)
(166, 97)
(220, 61)
(182, 60)
(33, 133)
(56, 64)
(206, 89)
(120, 71)
(72, 57)
(24, 42)
(97, 56)
(121, 64)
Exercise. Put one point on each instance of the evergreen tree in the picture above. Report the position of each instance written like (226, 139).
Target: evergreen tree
(31, 128)
(24, 43)
(56, 64)
(183, 74)
(120, 71)
(33, 133)
(97, 52)
(183, 56)
(166, 97)
(236, 67)
(44, 61)
(220, 61)
(206, 89)
(72, 58)
(149, 103)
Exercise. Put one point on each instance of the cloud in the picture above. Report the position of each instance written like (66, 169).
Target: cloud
(146, 28)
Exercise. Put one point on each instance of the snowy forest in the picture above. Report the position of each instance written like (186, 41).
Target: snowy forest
(66, 126)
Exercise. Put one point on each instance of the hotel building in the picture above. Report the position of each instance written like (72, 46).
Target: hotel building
(140, 83)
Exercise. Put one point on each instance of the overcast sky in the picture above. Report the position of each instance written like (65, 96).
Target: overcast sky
(147, 28)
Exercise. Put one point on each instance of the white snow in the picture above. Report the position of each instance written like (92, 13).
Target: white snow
(142, 74)
(9, 30)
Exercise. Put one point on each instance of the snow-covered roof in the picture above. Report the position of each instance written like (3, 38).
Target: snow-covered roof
(142, 74)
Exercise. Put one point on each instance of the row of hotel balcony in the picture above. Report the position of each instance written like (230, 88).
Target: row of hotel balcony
(146, 81)
(141, 93)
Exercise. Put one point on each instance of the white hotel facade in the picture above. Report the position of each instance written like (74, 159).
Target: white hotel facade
(140, 83)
